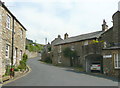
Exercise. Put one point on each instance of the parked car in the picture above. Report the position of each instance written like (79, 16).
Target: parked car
(95, 67)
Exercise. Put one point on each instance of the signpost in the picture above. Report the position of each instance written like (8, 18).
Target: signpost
(107, 56)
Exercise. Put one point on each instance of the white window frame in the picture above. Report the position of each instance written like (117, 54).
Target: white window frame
(21, 32)
(7, 51)
(116, 61)
(15, 53)
(8, 21)
(60, 49)
(21, 54)
(59, 59)
(105, 44)
(85, 43)
(72, 47)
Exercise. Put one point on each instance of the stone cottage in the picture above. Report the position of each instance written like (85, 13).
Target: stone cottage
(98, 47)
(12, 39)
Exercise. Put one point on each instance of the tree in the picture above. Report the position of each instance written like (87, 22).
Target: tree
(67, 52)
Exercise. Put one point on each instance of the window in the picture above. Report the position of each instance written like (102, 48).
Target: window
(60, 49)
(86, 43)
(8, 19)
(15, 53)
(21, 33)
(20, 54)
(105, 44)
(59, 59)
(116, 61)
(72, 48)
(7, 50)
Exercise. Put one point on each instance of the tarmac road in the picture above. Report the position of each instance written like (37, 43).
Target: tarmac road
(48, 75)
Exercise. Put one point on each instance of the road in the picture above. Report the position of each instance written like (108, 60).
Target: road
(48, 75)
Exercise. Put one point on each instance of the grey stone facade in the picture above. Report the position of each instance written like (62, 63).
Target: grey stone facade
(6, 30)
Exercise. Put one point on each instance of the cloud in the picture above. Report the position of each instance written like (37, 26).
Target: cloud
(48, 18)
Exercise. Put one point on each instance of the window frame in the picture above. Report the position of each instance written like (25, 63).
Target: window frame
(15, 52)
(21, 32)
(7, 51)
(59, 60)
(86, 43)
(21, 53)
(116, 61)
(8, 21)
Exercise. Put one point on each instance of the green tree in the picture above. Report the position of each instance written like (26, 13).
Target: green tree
(67, 52)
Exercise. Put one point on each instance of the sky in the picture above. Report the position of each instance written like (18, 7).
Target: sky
(50, 18)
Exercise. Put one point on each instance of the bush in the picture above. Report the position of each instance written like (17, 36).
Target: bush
(23, 65)
(67, 52)
(7, 70)
(16, 69)
(48, 60)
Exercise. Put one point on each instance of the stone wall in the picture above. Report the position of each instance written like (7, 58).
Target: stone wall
(108, 63)
(32, 54)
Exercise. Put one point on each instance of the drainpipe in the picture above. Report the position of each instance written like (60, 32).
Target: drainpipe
(12, 54)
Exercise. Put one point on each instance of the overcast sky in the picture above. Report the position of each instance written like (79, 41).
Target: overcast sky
(50, 18)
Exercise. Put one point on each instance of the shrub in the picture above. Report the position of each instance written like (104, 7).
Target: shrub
(7, 70)
(67, 52)
(23, 65)
(48, 60)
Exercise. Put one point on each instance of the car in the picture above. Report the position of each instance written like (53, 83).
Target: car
(95, 67)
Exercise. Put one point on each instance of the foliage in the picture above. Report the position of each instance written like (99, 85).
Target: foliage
(7, 70)
(34, 47)
(67, 52)
(48, 60)
(23, 65)
(49, 49)
(96, 41)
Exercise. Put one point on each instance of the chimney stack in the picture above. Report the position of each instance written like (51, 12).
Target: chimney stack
(104, 26)
(65, 36)
(59, 36)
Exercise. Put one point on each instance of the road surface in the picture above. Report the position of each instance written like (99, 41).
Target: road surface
(48, 75)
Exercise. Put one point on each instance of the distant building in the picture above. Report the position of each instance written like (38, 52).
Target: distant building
(47, 52)
(12, 38)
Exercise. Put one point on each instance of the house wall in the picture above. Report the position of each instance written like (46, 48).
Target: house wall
(108, 63)
(6, 38)
(116, 26)
(78, 46)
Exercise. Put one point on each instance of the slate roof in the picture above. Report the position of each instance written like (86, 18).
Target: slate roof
(81, 37)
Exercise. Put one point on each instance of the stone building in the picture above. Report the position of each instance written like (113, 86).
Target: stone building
(47, 52)
(12, 39)
(98, 47)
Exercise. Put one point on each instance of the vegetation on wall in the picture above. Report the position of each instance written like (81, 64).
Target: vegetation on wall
(23, 65)
(67, 52)
(34, 47)
(96, 41)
